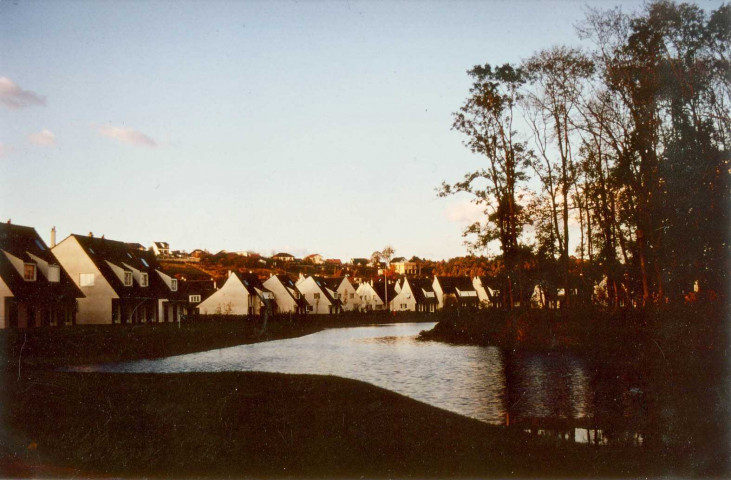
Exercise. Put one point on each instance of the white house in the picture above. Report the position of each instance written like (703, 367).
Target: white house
(241, 294)
(286, 294)
(283, 257)
(161, 249)
(315, 258)
(416, 295)
(369, 298)
(119, 282)
(403, 267)
(34, 290)
(347, 293)
(489, 297)
(320, 299)
(455, 291)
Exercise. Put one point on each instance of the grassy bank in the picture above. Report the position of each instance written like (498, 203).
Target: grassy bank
(84, 344)
(240, 424)
(699, 327)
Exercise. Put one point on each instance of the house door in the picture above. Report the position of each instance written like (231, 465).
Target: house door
(11, 312)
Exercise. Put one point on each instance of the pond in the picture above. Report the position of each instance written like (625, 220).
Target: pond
(545, 393)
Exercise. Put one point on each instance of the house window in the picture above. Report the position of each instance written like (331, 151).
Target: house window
(144, 280)
(174, 285)
(86, 279)
(29, 272)
(316, 296)
(54, 273)
(352, 295)
(127, 279)
(194, 298)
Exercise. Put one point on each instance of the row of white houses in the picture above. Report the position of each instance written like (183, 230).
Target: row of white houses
(90, 280)
(245, 294)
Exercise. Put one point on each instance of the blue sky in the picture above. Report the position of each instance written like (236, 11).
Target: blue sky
(309, 127)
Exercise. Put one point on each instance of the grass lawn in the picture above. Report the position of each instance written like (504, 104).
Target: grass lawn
(242, 424)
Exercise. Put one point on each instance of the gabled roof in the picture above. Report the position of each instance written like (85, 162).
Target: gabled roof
(162, 245)
(322, 284)
(22, 242)
(380, 289)
(252, 284)
(491, 283)
(451, 284)
(102, 252)
(289, 285)
(418, 287)
(333, 283)
(398, 260)
(282, 254)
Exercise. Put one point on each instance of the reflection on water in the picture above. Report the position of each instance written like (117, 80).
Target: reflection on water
(545, 394)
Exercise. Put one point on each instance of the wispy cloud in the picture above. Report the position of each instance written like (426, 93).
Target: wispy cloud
(44, 137)
(127, 135)
(14, 97)
(465, 212)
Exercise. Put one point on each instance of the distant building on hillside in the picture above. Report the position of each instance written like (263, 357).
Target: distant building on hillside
(315, 258)
(403, 267)
(161, 249)
(283, 257)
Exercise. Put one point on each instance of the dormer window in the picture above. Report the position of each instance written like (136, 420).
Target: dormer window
(174, 285)
(29, 272)
(144, 280)
(127, 279)
(54, 273)
(194, 298)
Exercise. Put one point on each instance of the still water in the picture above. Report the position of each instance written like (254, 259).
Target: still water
(544, 393)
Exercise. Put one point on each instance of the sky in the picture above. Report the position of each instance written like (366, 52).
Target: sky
(297, 126)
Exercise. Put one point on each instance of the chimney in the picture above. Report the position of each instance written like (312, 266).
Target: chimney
(91, 235)
(53, 236)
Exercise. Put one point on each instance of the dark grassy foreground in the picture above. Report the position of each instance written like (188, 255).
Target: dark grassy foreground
(241, 424)
(52, 347)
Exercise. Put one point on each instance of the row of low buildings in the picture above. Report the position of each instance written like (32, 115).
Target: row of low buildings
(92, 280)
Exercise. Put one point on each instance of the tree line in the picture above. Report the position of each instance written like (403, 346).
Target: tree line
(621, 149)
